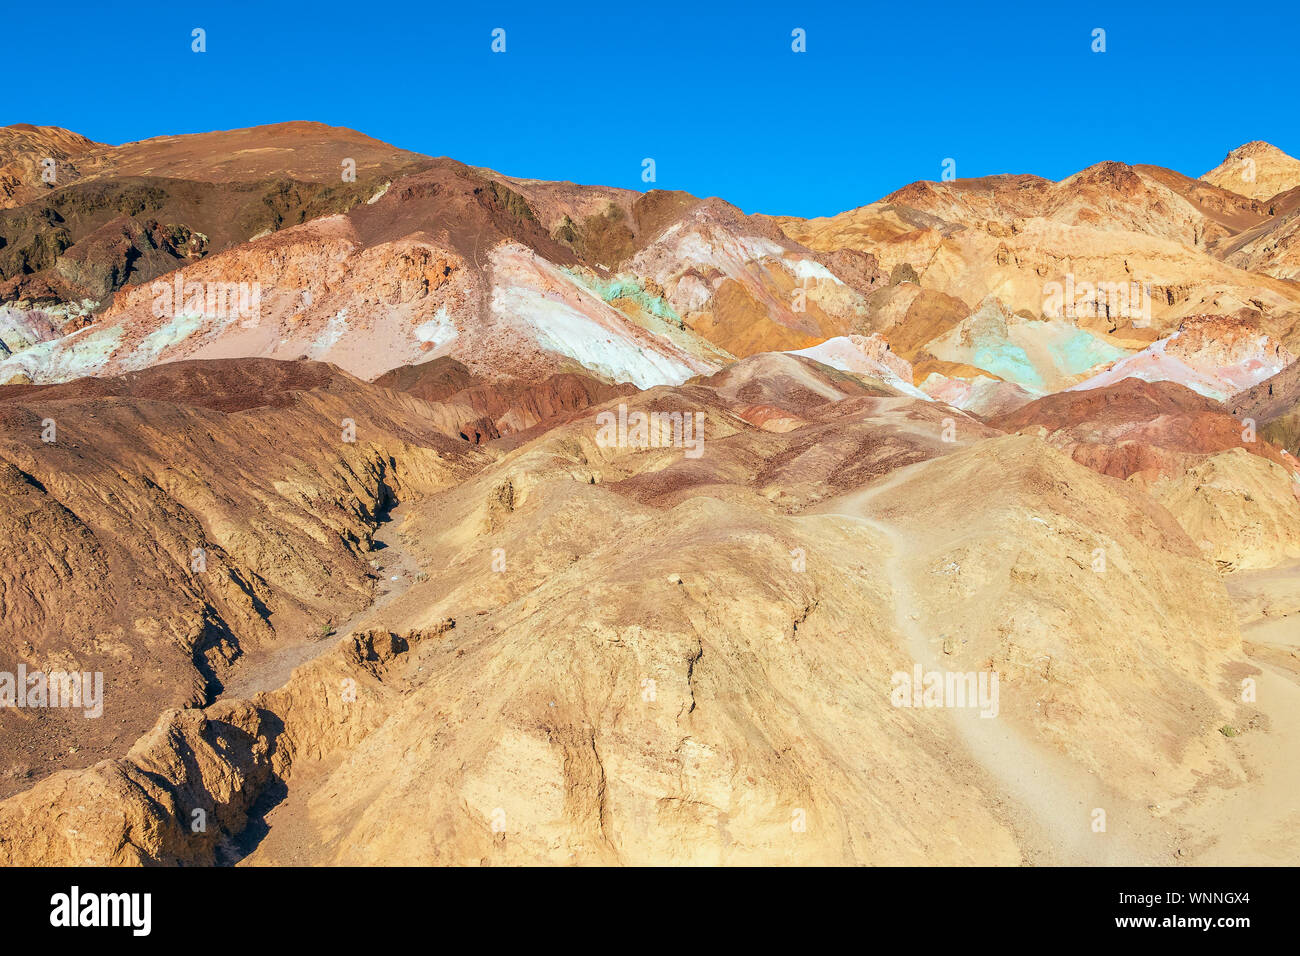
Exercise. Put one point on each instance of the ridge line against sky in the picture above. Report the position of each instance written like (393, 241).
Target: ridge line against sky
(715, 96)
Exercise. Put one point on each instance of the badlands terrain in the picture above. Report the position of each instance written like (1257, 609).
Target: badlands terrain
(324, 454)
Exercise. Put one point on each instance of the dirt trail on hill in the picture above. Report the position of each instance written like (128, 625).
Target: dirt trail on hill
(1259, 824)
(1045, 800)
(271, 669)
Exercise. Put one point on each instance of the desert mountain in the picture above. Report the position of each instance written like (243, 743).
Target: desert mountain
(1005, 279)
(1257, 170)
(437, 515)
(503, 274)
(30, 157)
(169, 511)
(1124, 253)
(109, 217)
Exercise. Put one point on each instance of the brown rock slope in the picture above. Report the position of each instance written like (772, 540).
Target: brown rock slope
(1054, 579)
(478, 411)
(24, 152)
(1272, 247)
(1274, 405)
(246, 463)
(1136, 426)
(121, 215)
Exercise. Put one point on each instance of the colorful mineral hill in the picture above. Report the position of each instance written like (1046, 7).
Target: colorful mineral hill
(373, 502)
(1216, 356)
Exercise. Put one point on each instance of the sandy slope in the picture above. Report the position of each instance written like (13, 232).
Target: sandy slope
(1042, 797)
(1242, 813)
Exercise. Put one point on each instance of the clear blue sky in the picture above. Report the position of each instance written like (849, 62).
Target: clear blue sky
(586, 90)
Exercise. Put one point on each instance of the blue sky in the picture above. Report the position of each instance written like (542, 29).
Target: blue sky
(712, 92)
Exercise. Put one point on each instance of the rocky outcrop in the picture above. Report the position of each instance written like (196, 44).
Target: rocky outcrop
(160, 525)
(187, 792)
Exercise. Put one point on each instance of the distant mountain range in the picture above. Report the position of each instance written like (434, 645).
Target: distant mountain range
(344, 249)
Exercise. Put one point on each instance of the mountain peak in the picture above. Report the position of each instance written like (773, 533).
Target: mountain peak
(1256, 147)
(1257, 169)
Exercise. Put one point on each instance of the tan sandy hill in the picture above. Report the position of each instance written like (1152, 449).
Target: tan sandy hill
(1018, 585)
(1186, 244)
(1257, 169)
(1242, 510)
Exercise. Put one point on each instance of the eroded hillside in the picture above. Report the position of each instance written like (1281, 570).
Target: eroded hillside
(414, 513)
